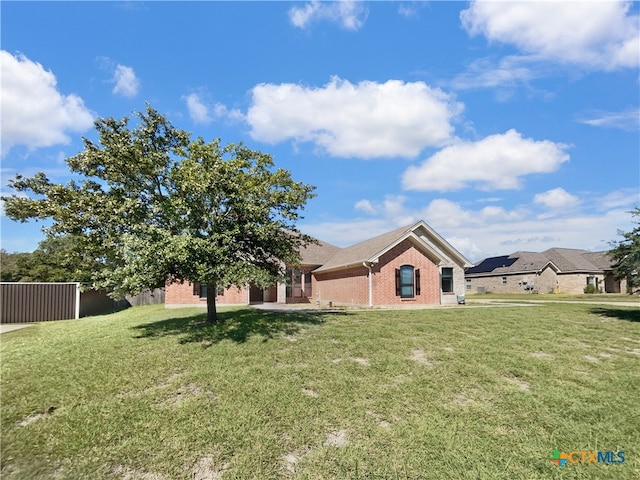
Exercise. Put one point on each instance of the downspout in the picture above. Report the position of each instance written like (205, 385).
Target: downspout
(368, 265)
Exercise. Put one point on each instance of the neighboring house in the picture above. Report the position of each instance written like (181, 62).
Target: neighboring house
(412, 265)
(557, 270)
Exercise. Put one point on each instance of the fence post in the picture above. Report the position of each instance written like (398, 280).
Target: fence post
(77, 300)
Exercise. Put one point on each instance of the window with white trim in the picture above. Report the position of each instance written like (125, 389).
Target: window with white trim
(407, 281)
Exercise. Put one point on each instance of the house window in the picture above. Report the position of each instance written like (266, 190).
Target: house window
(200, 289)
(504, 280)
(447, 280)
(468, 284)
(407, 281)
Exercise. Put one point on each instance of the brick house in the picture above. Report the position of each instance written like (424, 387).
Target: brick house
(412, 265)
(559, 270)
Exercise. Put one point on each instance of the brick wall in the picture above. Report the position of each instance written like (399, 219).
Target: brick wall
(351, 286)
(546, 282)
(182, 295)
(348, 287)
(384, 279)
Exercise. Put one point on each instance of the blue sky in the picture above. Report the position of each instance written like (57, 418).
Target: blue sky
(505, 126)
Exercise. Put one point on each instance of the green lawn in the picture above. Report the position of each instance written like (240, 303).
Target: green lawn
(563, 297)
(482, 393)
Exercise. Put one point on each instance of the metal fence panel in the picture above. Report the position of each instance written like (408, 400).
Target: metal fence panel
(38, 302)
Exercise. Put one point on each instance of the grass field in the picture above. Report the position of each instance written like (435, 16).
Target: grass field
(604, 298)
(482, 393)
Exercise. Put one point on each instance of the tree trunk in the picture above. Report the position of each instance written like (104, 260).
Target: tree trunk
(212, 314)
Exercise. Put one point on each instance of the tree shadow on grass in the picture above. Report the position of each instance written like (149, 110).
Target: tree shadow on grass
(235, 325)
(630, 315)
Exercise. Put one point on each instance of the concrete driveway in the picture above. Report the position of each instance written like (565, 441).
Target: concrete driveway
(8, 327)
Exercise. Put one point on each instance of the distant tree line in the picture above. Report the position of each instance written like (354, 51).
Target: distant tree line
(55, 260)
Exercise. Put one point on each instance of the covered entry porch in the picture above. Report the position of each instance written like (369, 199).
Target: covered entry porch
(297, 288)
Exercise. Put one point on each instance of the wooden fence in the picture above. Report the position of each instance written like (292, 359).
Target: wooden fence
(42, 302)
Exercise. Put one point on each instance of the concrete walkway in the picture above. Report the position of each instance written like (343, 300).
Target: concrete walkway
(9, 327)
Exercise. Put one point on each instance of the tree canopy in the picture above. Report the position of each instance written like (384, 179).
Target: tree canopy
(626, 253)
(55, 260)
(151, 204)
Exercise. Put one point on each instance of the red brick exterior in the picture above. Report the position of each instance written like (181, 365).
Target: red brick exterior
(348, 286)
(183, 294)
(351, 286)
(384, 276)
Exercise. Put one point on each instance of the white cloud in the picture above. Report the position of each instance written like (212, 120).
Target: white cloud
(556, 198)
(347, 13)
(509, 71)
(595, 34)
(626, 120)
(625, 197)
(233, 115)
(198, 111)
(487, 231)
(495, 162)
(126, 82)
(201, 113)
(365, 206)
(364, 120)
(34, 112)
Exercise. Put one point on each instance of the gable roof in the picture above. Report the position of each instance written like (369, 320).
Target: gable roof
(563, 260)
(423, 236)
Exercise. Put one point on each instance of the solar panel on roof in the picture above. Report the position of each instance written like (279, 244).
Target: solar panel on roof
(491, 263)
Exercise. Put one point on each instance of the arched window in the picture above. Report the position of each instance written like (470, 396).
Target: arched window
(407, 281)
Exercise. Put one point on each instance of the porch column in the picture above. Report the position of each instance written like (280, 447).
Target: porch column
(281, 295)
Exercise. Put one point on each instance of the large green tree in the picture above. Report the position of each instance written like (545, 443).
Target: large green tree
(149, 204)
(626, 252)
(57, 259)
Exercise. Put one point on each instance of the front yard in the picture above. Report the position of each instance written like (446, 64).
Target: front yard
(487, 393)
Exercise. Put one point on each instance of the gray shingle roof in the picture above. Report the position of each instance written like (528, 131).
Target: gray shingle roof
(363, 251)
(563, 259)
(318, 254)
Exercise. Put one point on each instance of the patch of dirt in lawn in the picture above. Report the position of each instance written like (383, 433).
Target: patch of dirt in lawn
(420, 357)
(605, 355)
(208, 469)
(361, 361)
(541, 355)
(381, 423)
(462, 400)
(128, 473)
(34, 417)
(398, 381)
(471, 398)
(522, 385)
(448, 349)
(336, 438)
(290, 461)
(28, 420)
(310, 393)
